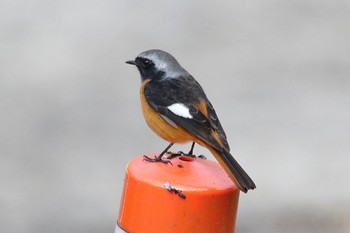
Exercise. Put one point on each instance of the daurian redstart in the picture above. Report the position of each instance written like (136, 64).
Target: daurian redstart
(176, 108)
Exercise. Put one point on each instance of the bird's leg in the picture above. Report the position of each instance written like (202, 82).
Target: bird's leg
(190, 153)
(180, 153)
(159, 157)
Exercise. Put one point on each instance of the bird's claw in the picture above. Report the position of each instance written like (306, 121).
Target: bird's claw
(156, 159)
(179, 153)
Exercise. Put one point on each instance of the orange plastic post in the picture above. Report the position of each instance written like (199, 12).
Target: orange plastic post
(191, 195)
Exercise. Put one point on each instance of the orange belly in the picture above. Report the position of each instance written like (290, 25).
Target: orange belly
(162, 128)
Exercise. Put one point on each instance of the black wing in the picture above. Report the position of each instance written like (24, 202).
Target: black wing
(161, 94)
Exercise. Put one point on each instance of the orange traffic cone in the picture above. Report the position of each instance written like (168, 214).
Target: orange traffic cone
(191, 195)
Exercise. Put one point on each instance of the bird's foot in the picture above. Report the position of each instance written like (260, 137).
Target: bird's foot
(156, 159)
(172, 155)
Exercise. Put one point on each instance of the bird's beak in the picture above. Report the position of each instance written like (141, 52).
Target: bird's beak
(131, 62)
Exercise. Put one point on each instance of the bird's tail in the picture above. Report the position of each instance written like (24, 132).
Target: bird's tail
(234, 170)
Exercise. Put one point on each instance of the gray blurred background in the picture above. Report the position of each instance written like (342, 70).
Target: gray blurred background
(277, 73)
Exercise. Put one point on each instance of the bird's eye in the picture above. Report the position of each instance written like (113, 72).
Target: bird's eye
(146, 63)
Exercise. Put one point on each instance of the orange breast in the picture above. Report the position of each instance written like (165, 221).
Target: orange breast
(162, 128)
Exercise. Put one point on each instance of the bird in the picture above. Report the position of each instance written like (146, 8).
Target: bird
(177, 109)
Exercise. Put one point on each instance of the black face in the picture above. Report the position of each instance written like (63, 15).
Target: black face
(144, 63)
(147, 68)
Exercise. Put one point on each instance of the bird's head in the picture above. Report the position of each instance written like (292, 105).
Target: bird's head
(157, 64)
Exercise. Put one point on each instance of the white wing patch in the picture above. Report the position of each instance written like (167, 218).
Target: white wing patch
(180, 110)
